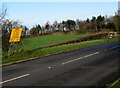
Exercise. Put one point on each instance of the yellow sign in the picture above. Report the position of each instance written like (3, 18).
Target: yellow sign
(15, 35)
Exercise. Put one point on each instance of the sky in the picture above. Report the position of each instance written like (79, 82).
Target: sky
(32, 13)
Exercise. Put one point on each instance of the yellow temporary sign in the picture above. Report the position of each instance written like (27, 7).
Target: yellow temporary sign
(15, 35)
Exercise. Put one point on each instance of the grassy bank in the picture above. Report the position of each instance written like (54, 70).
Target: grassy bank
(43, 52)
(42, 41)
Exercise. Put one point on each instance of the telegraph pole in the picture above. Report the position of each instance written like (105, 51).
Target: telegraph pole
(119, 8)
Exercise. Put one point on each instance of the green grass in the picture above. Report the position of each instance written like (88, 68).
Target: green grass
(26, 55)
(36, 42)
(115, 84)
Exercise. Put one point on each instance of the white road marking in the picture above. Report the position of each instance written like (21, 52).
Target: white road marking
(63, 63)
(80, 58)
(49, 67)
(115, 47)
(105, 50)
(14, 78)
(111, 48)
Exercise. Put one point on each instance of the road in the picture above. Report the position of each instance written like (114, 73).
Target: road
(86, 67)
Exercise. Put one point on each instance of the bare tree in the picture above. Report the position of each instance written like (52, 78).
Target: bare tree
(116, 21)
(3, 12)
(7, 26)
(55, 23)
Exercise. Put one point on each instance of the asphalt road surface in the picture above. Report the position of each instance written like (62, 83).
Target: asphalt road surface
(86, 67)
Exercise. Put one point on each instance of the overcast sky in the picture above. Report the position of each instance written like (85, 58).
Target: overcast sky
(32, 13)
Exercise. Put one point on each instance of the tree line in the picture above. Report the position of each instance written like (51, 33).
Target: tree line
(95, 24)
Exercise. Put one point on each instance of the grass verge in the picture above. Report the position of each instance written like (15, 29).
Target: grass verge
(115, 84)
(48, 51)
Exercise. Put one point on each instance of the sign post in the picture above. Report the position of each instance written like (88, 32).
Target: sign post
(14, 37)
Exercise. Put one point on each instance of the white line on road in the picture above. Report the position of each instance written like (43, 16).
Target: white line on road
(80, 58)
(105, 50)
(112, 48)
(49, 67)
(14, 78)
